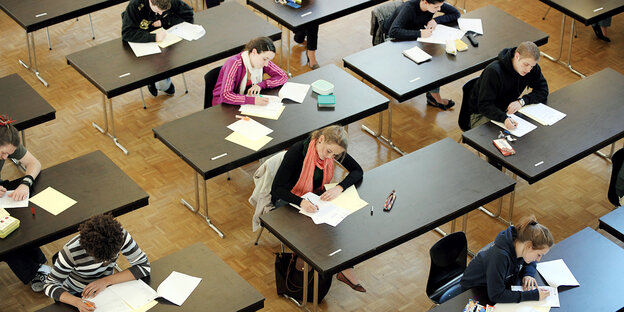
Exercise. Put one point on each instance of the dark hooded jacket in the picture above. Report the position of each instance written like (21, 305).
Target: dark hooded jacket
(498, 267)
(137, 19)
(500, 85)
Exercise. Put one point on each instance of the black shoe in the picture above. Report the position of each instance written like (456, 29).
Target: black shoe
(152, 89)
(431, 101)
(171, 90)
(598, 32)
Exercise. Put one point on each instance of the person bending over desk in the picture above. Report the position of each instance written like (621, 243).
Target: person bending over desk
(307, 166)
(84, 267)
(414, 19)
(143, 16)
(241, 77)
(497, 92)
(27, 263)
(511, 260)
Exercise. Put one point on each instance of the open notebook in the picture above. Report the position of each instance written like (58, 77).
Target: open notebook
(417, 55)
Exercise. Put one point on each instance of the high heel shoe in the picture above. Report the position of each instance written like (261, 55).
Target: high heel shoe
(432, 101)
(315, 66)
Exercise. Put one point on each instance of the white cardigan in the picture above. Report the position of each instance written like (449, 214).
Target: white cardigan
(263, 179)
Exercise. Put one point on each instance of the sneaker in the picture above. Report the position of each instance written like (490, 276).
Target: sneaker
(152, 89)
(171, 90)
(37, 283)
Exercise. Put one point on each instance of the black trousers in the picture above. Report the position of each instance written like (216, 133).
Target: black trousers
(311, 32)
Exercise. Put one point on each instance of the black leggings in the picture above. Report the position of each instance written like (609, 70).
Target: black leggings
(311, 32)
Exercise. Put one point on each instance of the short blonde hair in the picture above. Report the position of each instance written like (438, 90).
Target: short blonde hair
(528, 49)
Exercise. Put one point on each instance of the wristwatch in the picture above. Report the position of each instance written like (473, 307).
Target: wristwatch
(521, 101)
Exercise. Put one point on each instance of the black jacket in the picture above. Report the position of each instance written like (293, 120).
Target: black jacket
(408, 19)
(500, 85)
(498, 267)
(137, 19)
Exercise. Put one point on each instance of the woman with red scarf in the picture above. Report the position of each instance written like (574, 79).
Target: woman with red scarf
(309, 165)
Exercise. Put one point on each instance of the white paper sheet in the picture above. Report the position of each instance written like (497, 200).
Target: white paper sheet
(250, 129)
(144, 48)
(108, 301)
(294, 91)
(473, 24)
(327, 213)
(519, 307)
(135, 293)
(187, 31)
(523, 127)
(443, 33)
(542, 113)
(551, 301)
(417, 55)
(8, 202)
(177, 287)
(556, 273)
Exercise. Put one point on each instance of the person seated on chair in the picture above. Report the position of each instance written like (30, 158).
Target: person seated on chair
(511, 260)
(241, 78)
(143, 16)
(619, 185)
(27, 263)
(497, 92)
(307, 166)
(414, 19)
(84, 267)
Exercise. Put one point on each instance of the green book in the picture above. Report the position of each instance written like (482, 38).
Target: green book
(326, 100)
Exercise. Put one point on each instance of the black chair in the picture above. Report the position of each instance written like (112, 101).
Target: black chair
(210, 80)
(616, 160)
(464, 111)
(448, 263)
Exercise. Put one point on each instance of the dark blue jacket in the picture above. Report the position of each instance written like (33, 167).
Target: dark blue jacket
(407, 20)
(498, 267)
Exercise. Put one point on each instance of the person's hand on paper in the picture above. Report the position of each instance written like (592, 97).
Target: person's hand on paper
(426, 33)
(84, 305)
(331, 193)
(308, 206)
(543, 293)
(510, 123)
(261, 101)
(2, 191)
(160, 36)
(513, 107)
(254, 90)
(431, 24)
(95, 288)
(20, 193)
(157, 24)
(528, 283)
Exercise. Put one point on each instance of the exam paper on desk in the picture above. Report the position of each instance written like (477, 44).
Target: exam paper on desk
(470, 24)
(250, 129)
(144, 48)
(522, 128)
(551, 301)
(327, 213)
(170, 38)
(240, 139)
(294, 91)
(349, 199)
(542, 113)
(556, 273)
(52, 201)
(187, 31)
(8, 202)
(442, 33)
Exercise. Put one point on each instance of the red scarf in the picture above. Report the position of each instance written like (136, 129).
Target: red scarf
(312, 160)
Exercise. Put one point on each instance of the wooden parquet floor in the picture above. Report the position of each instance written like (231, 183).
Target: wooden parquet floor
(566, 201)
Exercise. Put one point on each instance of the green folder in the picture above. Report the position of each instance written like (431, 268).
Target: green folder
(326, 100)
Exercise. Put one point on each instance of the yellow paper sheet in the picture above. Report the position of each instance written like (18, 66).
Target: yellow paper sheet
(349, 199)
(52, 201)
(169, 38)
(274, 116)
(240, 139)
(147, 306)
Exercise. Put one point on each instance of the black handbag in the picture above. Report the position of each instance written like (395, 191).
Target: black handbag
(289, 279)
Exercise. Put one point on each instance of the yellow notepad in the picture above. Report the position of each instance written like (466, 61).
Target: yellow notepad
(52, 201)
(460, 45)
(169, 38)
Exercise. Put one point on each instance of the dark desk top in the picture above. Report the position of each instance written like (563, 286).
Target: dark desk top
(200, 136)
(396, 74)
(434, 185)
(594, 120)
(457, 303)
(596, 263)
(24, 12)
(22, 103)
(322, 11)
(613, 223)
(587, 11)
(94, 181)
(221, 288)
(103, 64)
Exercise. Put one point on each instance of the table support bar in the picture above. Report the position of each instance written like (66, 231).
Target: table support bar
(558, 59)
(378, 134)
(112, 124)
(497, 215)
(30, 40)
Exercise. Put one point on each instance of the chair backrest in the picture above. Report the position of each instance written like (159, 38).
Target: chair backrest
(616, 160)
(378, 16)
(212, 3)
(448, 263)
(210, 80)
(464, 111)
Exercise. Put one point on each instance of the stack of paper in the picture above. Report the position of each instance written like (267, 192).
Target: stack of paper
(249, 133)
(188, 31)
(144, 48)
(270, 111)
(327, 213)
(543, 114)
(170, 38)
(8, 202)
(443, 33)
(522, 128)
(349, 199)
(470, 24)
(417, 55)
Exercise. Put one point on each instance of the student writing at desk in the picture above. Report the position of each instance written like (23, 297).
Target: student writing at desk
(511, 260)
(497, 92)
(84, 267)
(307, 166)
(241, 77)
(143, 16)
(414, 19)
(28, 262)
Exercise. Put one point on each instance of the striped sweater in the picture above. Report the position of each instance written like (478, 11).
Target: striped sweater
(74, 269)
(231, 76)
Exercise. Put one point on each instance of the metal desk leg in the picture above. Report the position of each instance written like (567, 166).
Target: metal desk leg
(49, 43)
(315, 294)
(92, 31)
(187, 204)
(281, 42)
(212, 226)
(288, 56)
(30, 40)
(601, 154)
(304, 301)
(112, 124)
(558, 59)
(185, 86)
(512, 197)
(379, 136)
(197, 209)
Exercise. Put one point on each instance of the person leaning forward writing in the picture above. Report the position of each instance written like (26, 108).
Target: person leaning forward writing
(497, 92)
(307, 166)
(84, 267)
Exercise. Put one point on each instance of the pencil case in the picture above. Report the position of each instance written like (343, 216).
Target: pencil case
(8, 224)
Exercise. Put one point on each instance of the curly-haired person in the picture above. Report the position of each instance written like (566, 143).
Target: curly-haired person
(84, 266)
